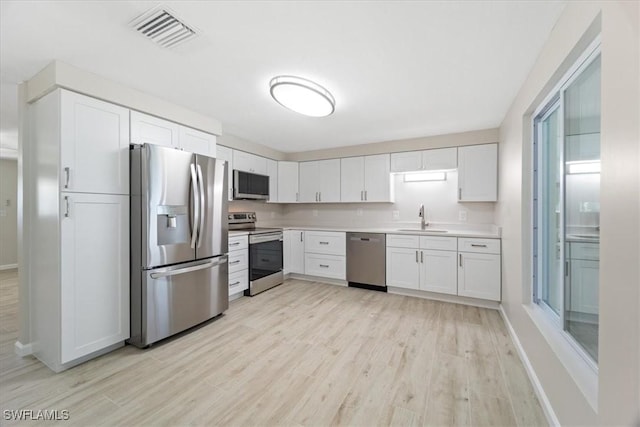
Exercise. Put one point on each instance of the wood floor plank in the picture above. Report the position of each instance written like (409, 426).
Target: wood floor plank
(303, 353)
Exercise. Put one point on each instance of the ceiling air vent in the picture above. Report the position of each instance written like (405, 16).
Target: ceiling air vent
(161, 26)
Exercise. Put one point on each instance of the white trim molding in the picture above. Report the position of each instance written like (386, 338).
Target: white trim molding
(23, 350)
(8, 266)
(552, 419)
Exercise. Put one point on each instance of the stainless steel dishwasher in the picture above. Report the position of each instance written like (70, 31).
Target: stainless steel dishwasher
(366, 261)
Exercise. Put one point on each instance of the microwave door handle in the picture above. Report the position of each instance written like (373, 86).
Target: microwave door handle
(202, 206)
(196, 206)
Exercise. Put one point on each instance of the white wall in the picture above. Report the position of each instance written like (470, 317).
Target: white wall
(617, 400)
(438, 197)
(8, 213)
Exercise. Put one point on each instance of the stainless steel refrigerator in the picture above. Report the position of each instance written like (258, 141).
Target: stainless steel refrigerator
(179, 241)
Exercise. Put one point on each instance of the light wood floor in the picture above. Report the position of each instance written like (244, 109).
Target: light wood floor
(300, 354)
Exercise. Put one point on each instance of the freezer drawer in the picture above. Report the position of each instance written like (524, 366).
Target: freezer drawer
(172, 299)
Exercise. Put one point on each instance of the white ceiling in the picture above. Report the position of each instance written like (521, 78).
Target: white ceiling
(397, 69)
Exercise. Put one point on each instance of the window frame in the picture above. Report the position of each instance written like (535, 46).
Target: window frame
(555, 97)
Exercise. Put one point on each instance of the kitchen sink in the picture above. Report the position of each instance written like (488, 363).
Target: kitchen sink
(426, 230)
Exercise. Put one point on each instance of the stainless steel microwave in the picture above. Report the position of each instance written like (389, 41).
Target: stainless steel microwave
(252, 186)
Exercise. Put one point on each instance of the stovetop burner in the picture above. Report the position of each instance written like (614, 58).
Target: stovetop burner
(247, 221)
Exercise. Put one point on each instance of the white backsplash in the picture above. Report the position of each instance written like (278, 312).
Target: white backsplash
(438, 197)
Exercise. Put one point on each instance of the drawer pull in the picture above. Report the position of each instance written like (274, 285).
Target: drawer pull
(478, 246)
(234, 262)
(324, 243)
(234, 244)
(235, 283)
(324, 266)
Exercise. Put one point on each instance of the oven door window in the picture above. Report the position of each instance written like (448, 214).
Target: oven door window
(264, 259)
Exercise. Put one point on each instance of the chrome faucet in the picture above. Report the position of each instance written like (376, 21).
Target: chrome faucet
(423, 223)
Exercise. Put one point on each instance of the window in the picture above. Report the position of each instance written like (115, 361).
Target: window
(566, 204)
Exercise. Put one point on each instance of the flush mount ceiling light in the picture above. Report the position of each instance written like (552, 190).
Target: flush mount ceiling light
(302, 96)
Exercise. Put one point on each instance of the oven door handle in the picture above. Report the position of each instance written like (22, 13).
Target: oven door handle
(263, 239)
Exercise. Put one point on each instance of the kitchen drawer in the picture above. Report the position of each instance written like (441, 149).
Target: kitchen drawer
(238, 242)
(332, 266)
(586, 251)
(238, 281)
(482, 246)
(403, 241)
(325, 242)
(238, 260)
(439, 243)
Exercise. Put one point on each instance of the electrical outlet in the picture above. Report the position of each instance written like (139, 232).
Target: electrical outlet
(396, 214)
(315, 212)
(358, 212)
(462, 216)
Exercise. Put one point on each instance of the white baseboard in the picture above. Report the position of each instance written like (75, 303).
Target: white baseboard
(23, 350)
(443, 297)
(8, 266)
(552, 419)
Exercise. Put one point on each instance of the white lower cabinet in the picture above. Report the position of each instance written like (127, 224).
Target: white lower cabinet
(293, 256)
(436, 264)
(324, 254)
(322, 265)
(438, 272)
(403, 269)
(94, 273)
(479, 275)
(238, 264)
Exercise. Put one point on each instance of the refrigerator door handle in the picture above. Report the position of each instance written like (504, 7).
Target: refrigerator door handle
(202, 205)
(196, 206)
(167, 272)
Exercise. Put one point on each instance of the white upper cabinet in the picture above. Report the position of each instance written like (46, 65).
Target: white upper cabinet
(365, 179)
(377, 178)
(272, 171)
(320, 181)
(94, 149)
(352, 179)
(437, 159)
(478, 173)
(197, 141)
(146, 129)
(247, 162)
(287, 182)
(225, 153)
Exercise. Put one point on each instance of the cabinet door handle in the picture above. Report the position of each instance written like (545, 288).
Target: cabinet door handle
(301, 236)
(421, 257)
(234, 262)
(460, 260)
(297, 197)
(67, 171)
(478, 246)
(320, 196)
(66, 201)
(459, 193)
(234, 283)
(365, 195)
(566, 268)
(416, 256)
(361, 195)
